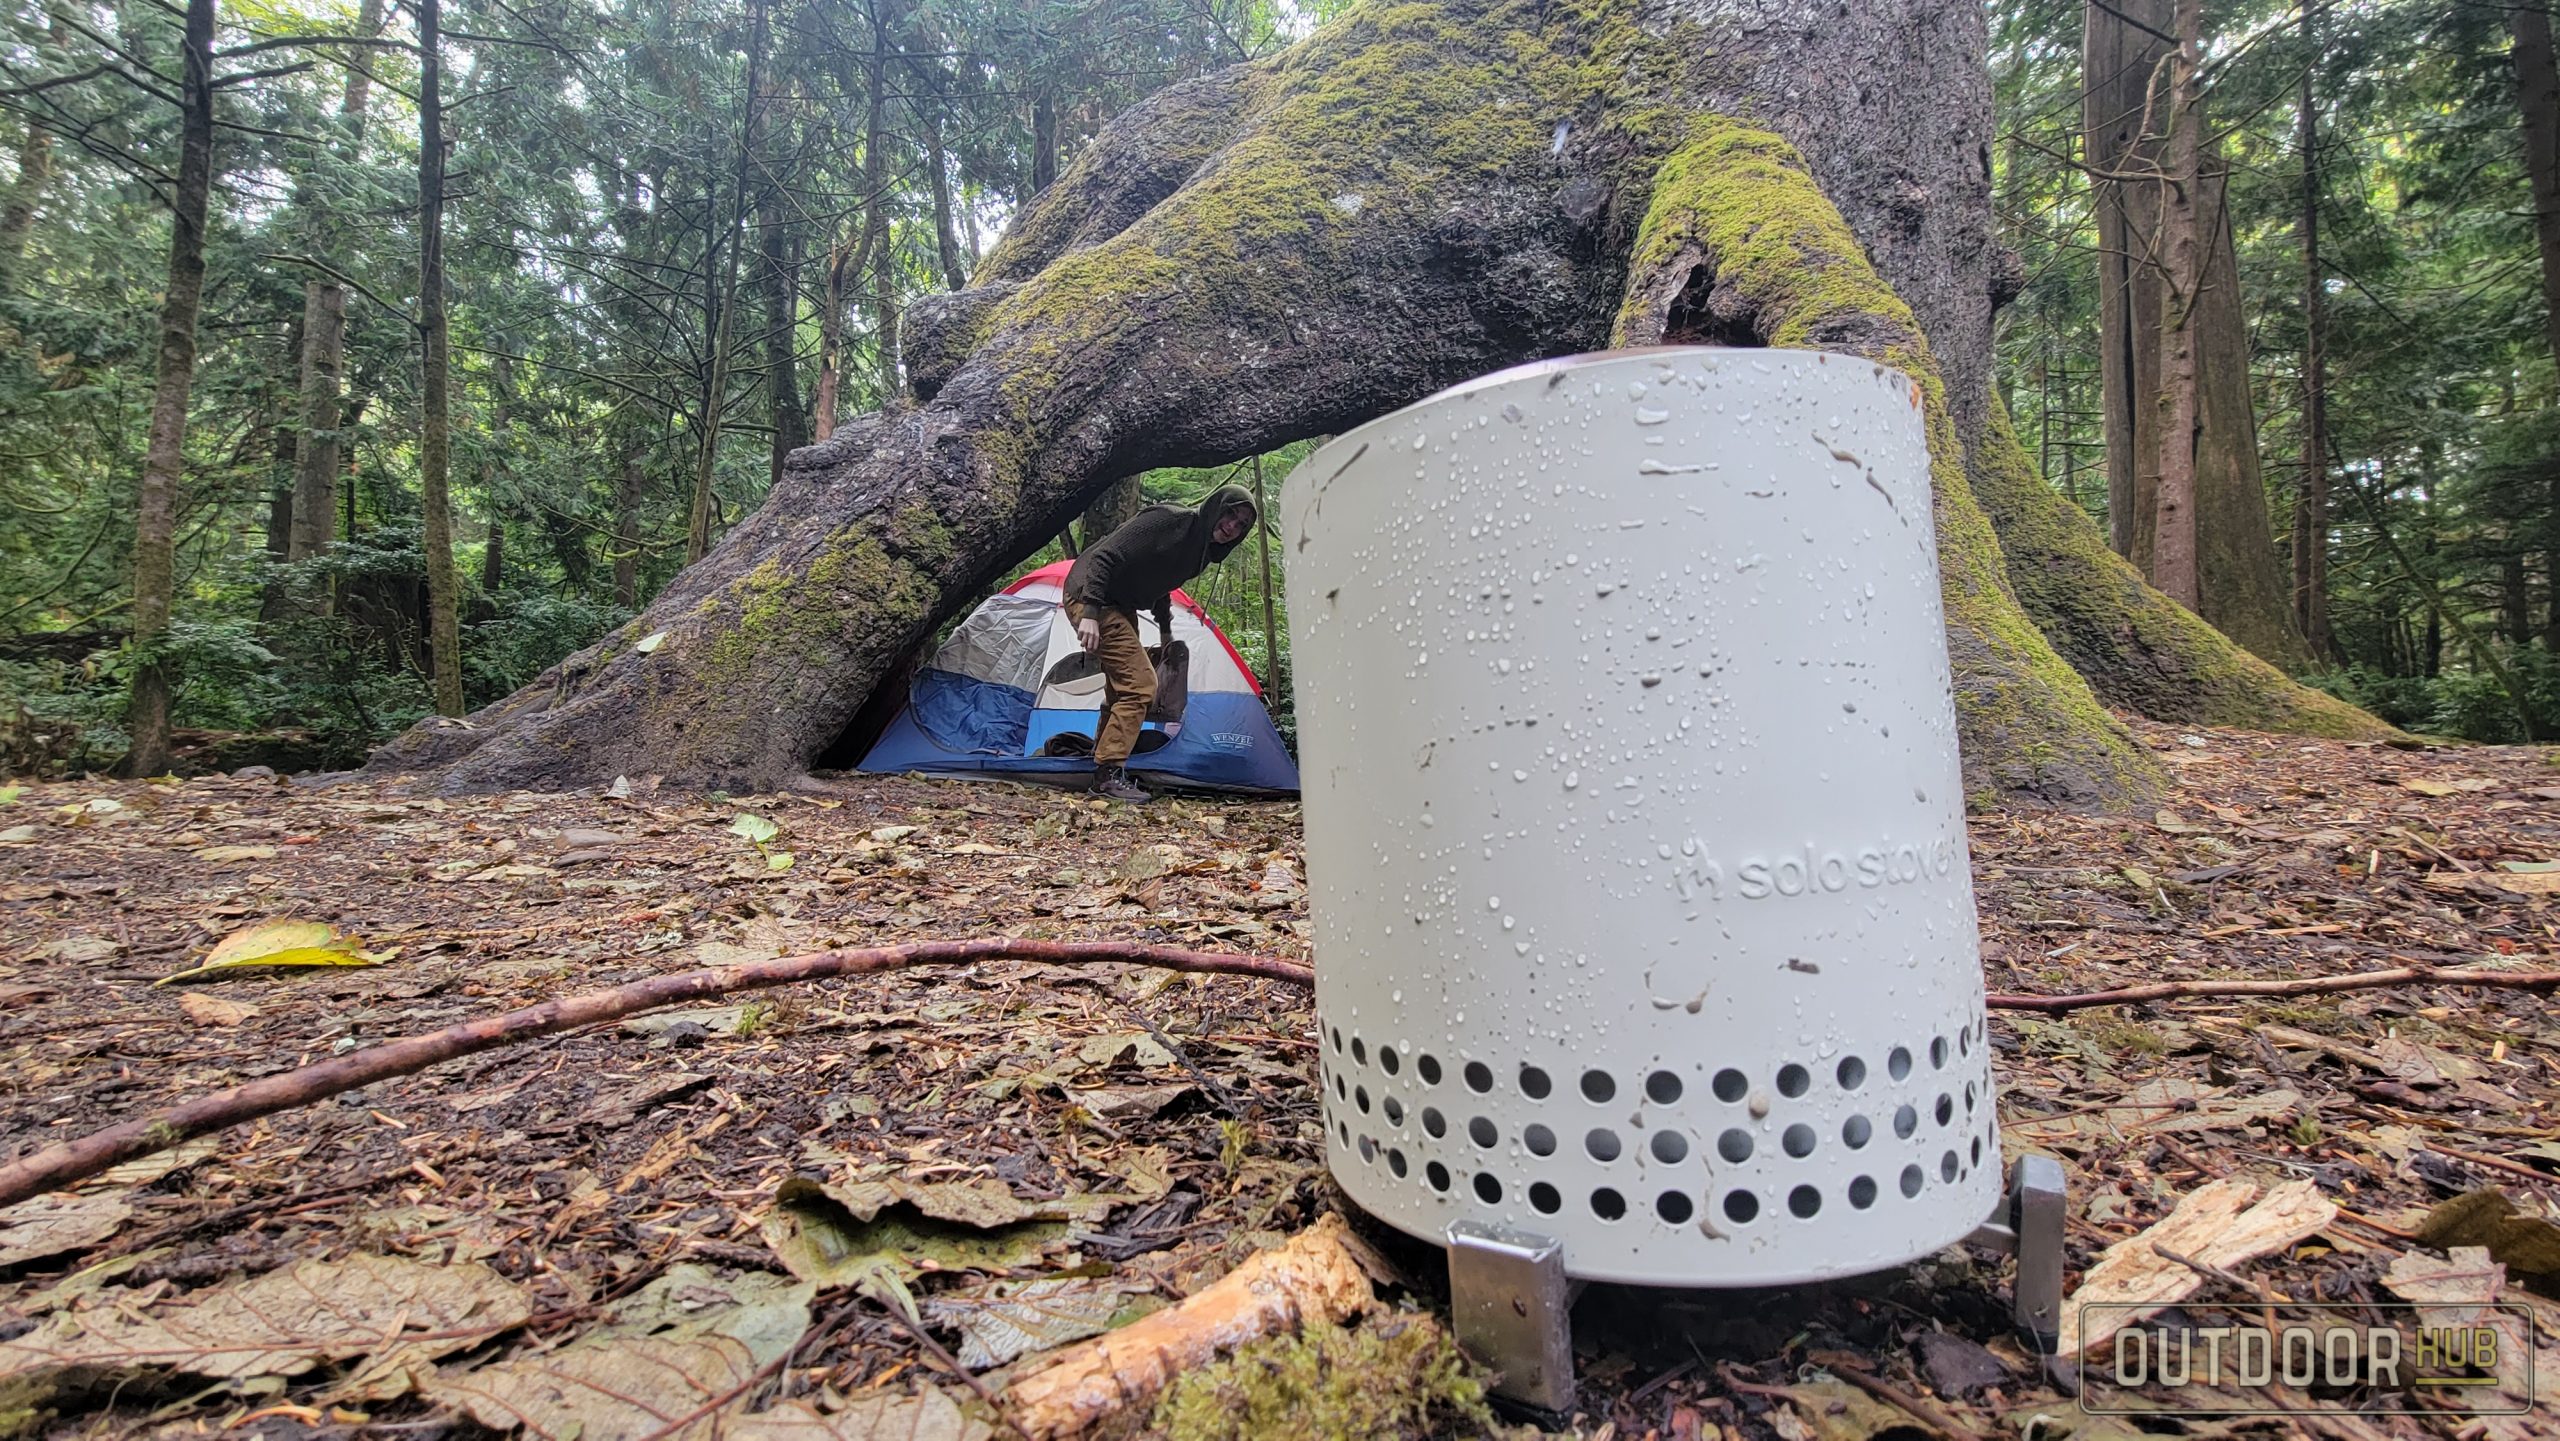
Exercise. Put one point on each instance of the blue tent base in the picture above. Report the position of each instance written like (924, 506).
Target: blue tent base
(1227, 744)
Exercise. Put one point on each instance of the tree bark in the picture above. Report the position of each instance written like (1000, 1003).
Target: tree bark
(2173, 554)
(878, 243)
(2538, 99)
(35, 168)
(778, 255)
(164, 460)
(2127, 107)
(493, 557)
(822, 407)
(955, 269)
(435, 422)
(2311, 493)
(1114, 508)
(720, 284)
(324, 338)
(1270, 611)
(1256, 256)
(626, 530)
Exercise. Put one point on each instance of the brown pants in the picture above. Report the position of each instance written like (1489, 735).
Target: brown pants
(1128, 682)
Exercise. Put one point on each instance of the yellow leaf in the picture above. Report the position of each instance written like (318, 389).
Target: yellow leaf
(279, 943)
(236, 853)
(650, 642)
(777, 860)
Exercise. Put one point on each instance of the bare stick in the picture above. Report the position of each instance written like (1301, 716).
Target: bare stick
(57, 1166)
(2543, 981)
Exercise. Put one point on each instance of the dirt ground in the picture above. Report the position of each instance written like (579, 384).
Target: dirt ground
(596, 1194)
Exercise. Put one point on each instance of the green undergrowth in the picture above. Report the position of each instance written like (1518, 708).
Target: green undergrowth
(1400, 1377)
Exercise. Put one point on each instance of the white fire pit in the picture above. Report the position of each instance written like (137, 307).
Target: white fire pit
(1645, 934)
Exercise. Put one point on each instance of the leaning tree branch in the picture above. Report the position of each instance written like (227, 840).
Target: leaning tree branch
(57, 1166)
(2541, 981)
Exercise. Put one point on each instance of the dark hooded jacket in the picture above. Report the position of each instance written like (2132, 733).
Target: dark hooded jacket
(1138, 566)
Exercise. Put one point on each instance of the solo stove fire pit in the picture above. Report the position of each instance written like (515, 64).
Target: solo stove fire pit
(1645, 935)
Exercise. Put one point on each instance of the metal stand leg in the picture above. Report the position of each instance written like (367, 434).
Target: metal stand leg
(1511, 1305)
(2029, 1226)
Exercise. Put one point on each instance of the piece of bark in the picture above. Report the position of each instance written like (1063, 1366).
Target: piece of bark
(1316, 1279)
(2214, 1226)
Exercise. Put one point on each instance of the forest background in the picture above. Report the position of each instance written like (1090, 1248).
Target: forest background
(508, 308)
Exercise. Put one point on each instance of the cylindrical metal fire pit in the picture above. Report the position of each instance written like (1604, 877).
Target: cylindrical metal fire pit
(1635, 833)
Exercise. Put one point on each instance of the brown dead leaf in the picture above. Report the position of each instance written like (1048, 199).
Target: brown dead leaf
(51, 1225)
(207, 1010)
(927, 1416)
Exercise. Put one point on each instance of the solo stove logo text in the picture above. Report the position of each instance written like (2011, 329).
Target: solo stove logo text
(2370, 1360)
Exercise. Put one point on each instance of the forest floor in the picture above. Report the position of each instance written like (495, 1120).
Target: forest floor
(575, 1232)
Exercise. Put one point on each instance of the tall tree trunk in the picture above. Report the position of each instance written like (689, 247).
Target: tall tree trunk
(324, 339)
(164, 461)
(35, 167)
(2173, 555)
(435, 421)
(720, 279)
(1112, 509)
(2538, 98)
(955, 270)
(272, 601)
(1143, 314)
(779, 254)
(1044, 140)
(822, 419)
(493, 557)
(878, 242)
(626, 529)
(1270, 612)
(2127, 109)
(2311, 492)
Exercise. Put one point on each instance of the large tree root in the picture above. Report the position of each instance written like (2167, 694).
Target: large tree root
(57, 1166)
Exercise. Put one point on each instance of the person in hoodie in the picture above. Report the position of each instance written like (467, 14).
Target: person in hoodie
(1134, 568)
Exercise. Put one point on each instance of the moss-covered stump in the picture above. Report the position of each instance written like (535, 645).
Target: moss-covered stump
(1423, 191)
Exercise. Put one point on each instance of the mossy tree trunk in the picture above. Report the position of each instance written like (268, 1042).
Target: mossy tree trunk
(1418, 194)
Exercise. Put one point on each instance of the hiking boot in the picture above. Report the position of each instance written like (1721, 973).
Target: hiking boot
(1112, 783)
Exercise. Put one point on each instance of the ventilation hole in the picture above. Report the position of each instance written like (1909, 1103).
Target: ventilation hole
(1663, 1088)
(1602, 1143)
(1368, 1150)
(1343, 1130)
(1968, 1098)
(1337, 1039)
(1341, 1089)
(1437, 1175)
(1856, 1132)
(1911, 1179)
(1394, 1109)
(1731, 1085)
(1670, 1147)
(1429, 1066)
(1898, 1065)
(1798, 1140)
(1479, 1077)
(1977, 1150)
(1862, 1192)
(1535, 1083)
(1396, 1163)
(1488, 1190)
(1741, 1207)
(1482, 1132)
(1675, 1207)
(1905, 1121)
(1734, 1146)
(1359, 1051)
(1607, 1204)
(1360, 1098)
(1937, 1053)
(1852, 1073)
(1947, 1166)
(1946, 1108)
(1539, 1140)
(1597, 1088)
(1543, 1198)
(1793, 1080)
(1804, 1202)
(1434, 1124)
(1387, 1059)
(1964, 1041)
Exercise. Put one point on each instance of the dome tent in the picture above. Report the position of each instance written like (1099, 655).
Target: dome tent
(1000, 694)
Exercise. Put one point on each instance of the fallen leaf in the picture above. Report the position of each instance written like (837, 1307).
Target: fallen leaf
(1017, 1318)
(869, 1235)
(77, 950)
(18, 836)
(2457, 1293)
(2466, 785)
(755, 830)
(220, 854)
(1131, 1103)
(283, 1323)
(580, 836)
(1105, 1050)
(2525, 1244)
(927, 1416)
(1145, 863)
(886, 834)
(2216, 1225)
(279, 943)
(2537, 883)
(207, 1010)
(51, 1225)
(648, 644)
(143, 1170)
(1838, 1411)
(685, 1340)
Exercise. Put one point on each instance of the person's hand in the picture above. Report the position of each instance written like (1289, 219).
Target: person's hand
(1089, 634)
